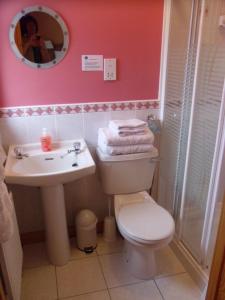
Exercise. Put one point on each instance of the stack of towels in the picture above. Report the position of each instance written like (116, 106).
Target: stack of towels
(125, 137)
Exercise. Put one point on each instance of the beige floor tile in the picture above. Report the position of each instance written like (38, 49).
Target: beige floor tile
(167, 263)
(76, 253)
(178, 287)
(115, 270)
(141, 291)
(79, 277)
(39, 284)
(35, 255)
(109, 247)
(102, 295)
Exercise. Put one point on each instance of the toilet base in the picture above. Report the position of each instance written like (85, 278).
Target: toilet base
(140, 261)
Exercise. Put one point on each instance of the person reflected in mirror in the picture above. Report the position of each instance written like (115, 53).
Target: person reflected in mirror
(33, 45)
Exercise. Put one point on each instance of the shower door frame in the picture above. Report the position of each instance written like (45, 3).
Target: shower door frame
(197, 30)
(215, 171)
(198, 270)
(215, 186)
(197, 9)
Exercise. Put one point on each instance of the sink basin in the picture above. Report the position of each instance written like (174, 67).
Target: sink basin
(48, 168)
(49, 171)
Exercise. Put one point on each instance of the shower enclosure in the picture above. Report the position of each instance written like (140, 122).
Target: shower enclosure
(193, 121)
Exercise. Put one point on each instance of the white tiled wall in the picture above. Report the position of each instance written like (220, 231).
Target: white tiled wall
(85, 193)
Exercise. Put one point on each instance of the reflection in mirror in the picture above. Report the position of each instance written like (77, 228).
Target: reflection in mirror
(39, 37)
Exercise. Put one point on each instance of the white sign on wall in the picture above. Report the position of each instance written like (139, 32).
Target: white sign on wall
(92, 62)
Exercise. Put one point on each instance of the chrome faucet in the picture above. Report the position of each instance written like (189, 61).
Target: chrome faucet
(19, 154)
(76, 149)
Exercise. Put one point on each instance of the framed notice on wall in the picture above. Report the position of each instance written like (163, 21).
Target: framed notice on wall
(92, 62)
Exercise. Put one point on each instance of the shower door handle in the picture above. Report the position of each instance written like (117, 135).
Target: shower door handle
(155, 159)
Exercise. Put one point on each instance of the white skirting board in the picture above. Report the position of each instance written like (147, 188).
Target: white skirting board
(198, 274)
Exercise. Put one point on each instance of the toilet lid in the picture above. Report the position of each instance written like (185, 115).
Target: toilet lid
(146, 221)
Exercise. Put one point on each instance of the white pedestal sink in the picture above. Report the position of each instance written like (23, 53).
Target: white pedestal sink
(50, 170)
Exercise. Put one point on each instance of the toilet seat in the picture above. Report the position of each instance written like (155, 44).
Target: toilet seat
(145, 221)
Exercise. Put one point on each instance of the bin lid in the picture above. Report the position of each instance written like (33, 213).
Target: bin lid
(85, 218)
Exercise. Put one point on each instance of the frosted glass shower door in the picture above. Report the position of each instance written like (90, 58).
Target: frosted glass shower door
(203, 132)
(193, 94)
(178, 52)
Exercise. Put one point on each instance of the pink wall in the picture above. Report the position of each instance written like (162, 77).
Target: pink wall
(129, 30)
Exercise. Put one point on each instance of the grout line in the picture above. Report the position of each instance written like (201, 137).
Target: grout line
(101, 268)
(135, 109)
(81, 258)
(114, 252)
(109, 294)
(98, 258)
(56, 125)
(37, 267)
(111, 253)
(159, 289)
(57, 288)
(142, 280)
(169, 275)
(129, 284)
(87, 293)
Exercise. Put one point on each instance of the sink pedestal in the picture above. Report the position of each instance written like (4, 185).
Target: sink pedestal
(58, 245)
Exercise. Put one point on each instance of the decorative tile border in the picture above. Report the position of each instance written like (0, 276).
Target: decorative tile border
(68, 109)
(12, 112)
(147, 105)
(97, 107)
(121, 106)
(78, 108)
(39, 111)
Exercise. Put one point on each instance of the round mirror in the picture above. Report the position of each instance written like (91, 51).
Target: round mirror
(39, 37)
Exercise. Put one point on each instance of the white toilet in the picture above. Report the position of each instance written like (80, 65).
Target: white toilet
(144, 224)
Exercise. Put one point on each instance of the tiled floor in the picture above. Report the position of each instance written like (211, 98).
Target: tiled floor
(102, 275)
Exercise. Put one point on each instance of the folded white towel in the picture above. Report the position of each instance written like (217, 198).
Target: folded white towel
(127, 124)
(6, 214)
(129, 149)
(110, 138)
(129, 132)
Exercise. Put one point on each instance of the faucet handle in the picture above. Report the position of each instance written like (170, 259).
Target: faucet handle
(77, 146)
(19, 153)
(17, 150)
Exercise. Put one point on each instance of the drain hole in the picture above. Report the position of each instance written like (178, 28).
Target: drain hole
(75, 165)
(49, 158)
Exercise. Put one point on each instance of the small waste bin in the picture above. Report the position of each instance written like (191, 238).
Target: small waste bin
(86, 222)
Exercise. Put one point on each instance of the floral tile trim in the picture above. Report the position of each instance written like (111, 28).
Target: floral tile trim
(100, 107)
(68, 109)
(147, 105)
(78, 108)
(39, 111)
(121, 106)
(11, 112)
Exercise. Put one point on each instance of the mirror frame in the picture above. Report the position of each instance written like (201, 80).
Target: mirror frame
(56, 16)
